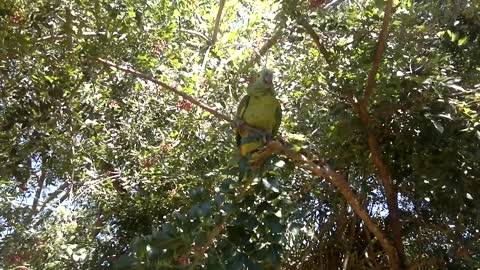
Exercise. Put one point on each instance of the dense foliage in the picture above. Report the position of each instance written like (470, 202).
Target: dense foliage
(102, 170)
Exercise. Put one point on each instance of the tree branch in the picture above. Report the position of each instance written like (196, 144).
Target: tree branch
(333, 177)
(316, 38)
(263, 50)
(217, 22)
(339, 181)
(196, 33)
(164, 85)
(333, 4)
(50, 212)
(177, 92)
(362, 109)
(212, 235)
(199, 251)
(86, 34)
(269, 150)
(382, 39)
(38, 192)
(52, 196)
(89, 34)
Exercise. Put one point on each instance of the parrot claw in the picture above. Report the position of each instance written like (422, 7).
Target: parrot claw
(238, 123)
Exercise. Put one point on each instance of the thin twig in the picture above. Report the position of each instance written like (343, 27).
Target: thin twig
(177, 92)
(217, 22)
(263, 50)
(333, 4)
(38, 192)
(417, 264)
(316, 38)
(84, 35)
(199, 251)
(52, 196)
(196, 33)
(204, 65)
(164, 85)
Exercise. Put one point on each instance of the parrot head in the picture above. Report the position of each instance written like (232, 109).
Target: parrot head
(266, 75)
(262, 85)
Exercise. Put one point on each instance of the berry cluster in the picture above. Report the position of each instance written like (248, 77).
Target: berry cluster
(185, 105)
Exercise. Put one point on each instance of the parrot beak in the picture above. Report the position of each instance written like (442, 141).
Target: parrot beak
(268, 79)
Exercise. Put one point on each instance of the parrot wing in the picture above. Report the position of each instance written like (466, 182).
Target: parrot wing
(242, 107)
(278, 120)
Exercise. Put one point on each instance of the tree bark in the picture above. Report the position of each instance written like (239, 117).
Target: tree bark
(373, 144)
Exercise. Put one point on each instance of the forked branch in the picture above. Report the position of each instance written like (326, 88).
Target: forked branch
(375, 149)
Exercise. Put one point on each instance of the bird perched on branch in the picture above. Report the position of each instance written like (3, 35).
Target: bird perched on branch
(261, 110)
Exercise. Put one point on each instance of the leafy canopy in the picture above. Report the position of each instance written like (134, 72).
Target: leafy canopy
(99, 169)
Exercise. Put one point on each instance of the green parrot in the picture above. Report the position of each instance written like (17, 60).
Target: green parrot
(259, 109)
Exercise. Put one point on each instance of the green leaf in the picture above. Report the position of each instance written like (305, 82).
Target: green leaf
(274, 186)
(238, 235)
(437, 125)
(201, 239)
(462, 40)
(125, 262)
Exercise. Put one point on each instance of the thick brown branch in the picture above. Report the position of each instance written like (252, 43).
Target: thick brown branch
(217, 21)
(335, 178)
(390, 192)
(270, 149)
(382, 39)
(339, 182)
(373, 144)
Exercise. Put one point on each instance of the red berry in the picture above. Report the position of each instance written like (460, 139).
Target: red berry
(147, 164)
(182, 260)
(16, 19)
(185, 105)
